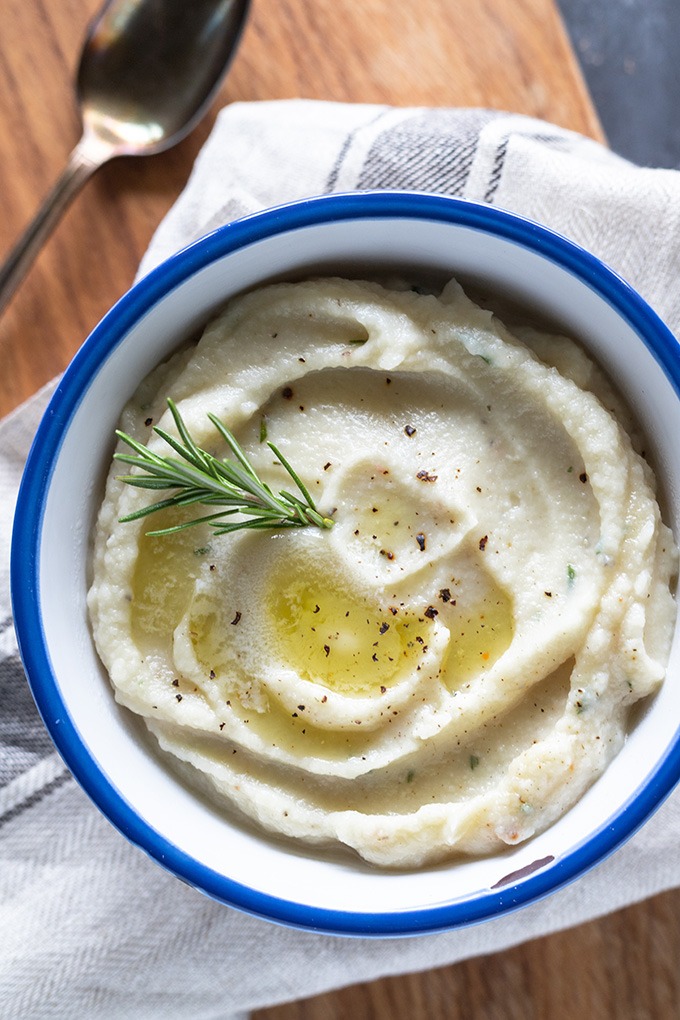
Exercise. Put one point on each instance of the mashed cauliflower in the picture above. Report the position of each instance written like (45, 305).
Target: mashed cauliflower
(449, 667)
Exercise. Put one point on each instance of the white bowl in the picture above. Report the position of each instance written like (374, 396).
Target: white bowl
(105, 746)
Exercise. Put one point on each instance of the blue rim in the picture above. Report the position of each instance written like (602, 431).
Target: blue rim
(25, 565)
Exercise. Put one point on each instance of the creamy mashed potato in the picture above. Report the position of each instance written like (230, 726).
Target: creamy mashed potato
(450, 666)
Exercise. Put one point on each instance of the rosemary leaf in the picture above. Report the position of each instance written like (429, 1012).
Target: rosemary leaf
(230, 440)
(293, 475)
(199, 477)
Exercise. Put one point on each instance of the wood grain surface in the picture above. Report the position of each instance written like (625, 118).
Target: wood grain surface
(624, 967)
(507, 54)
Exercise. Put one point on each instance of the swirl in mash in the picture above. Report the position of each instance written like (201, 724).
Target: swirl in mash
(452, 665)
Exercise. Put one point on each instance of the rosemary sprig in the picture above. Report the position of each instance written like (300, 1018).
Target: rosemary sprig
(200, 478)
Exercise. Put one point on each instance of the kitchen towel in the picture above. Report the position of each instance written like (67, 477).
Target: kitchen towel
(89, 927)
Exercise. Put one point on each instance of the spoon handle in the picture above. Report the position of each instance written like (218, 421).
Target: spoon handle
(82, 162)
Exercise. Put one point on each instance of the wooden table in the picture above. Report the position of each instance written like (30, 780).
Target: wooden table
(509, 54)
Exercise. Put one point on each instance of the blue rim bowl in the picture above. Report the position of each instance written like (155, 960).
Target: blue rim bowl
(468, 237)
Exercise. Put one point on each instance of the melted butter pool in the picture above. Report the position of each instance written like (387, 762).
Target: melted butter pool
(479, 636)
(336, 639)
(161, 592)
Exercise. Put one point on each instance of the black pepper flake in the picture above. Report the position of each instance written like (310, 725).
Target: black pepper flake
(394, 610)
(383, 689)
(236, 619)
(212, 674)
(482, 543)
(387, 553)
(425, 476)
(175, 682)
(374, 657)
(583, 478)
(409, 430)
(148, 421)
(384, 627)
(316, 608)
(287, 392)
(327, 465)
(324, 699)
(301, 360)
(221, 725)
(445, 594)
(327, 650)
(178, 697)
(212, 567)
(420, 539)
(301, 708)
(548, 594)
(431, 612)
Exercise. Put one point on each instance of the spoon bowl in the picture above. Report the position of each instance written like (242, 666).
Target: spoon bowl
(148, 71)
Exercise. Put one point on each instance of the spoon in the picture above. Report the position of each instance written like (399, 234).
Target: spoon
(148, 71)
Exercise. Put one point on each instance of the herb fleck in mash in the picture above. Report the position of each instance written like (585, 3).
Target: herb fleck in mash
(451, 665)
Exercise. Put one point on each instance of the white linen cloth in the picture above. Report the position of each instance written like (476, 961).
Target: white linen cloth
(90, 927)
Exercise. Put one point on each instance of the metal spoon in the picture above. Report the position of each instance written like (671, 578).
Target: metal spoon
(148, 71)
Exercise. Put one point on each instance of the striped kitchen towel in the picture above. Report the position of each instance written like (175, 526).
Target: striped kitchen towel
(89, 927)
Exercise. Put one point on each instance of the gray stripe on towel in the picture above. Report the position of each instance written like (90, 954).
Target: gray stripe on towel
(433, 151)
(23, 738)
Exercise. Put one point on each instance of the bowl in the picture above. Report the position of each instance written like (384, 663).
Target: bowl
(103, 744)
